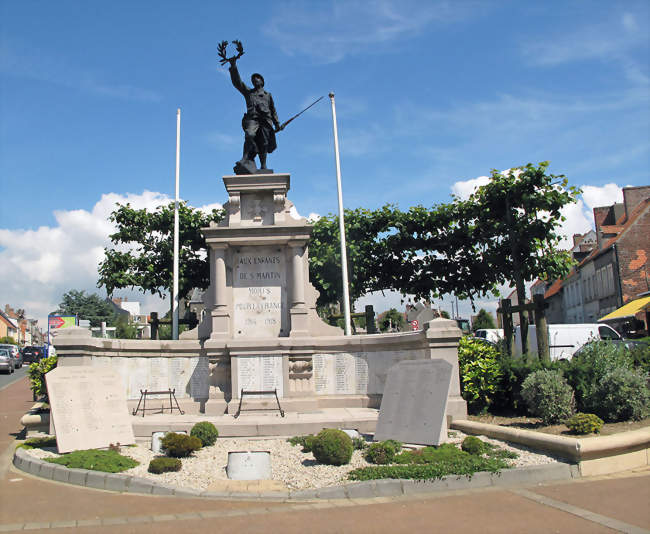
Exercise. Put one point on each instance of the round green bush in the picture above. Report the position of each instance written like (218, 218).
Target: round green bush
(206, 432)
(473, 445)
(332, 447)
(164, 465)
(584, 423)
(382, 452)
(180, 445)
(548, 396)
(621, 395)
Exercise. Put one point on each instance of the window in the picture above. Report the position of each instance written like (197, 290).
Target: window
(605, 332)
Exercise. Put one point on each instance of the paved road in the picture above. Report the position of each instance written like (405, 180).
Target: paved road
(607, 504)
(6, 379)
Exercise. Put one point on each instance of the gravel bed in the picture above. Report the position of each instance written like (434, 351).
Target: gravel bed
(289, 465)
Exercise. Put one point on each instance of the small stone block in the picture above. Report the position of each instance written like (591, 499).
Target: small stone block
(243, 495)
(140, 485)
(61, 474)
(77, 476)
(333, 492)
(115, 482)
(36, 526)
(360, 490)
(114, 521)
(95, 479)
(46, 470)
(303, 494)
(63, 524)
(388, 488)
(189, 516)
(11, 527)
(532, 474)
(215, 494)
(89, 522)
(415, 487)
(162, 489)
(276, 495)
(140, 519)
(187, 492)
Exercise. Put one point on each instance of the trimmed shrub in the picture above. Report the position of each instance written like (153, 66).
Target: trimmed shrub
(622, 394)
(206, 432)
(180, 445)
(359, 444)
(36, 373)
(479, 373)
(513, 372)
(548, 396)
(164, 465)
(585, 371)
(584, 423)
(332, 447)
(473, 445)
(383, 452)
(305, 442)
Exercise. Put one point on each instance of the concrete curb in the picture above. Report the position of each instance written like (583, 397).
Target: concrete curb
(354, 490)
(576, 450)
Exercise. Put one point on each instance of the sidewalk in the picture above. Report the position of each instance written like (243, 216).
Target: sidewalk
(607, 504)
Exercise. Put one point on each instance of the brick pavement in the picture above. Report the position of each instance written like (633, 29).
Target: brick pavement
(607, 504)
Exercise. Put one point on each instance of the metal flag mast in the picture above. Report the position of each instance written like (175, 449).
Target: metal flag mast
(175, 300)
(344, 257)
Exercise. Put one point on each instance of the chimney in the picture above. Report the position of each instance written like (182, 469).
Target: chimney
(633, 196)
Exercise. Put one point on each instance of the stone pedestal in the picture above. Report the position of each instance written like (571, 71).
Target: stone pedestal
(259, 275)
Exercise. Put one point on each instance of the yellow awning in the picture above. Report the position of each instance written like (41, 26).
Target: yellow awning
(629, 310)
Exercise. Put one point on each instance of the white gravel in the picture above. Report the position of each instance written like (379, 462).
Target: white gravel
(297, 470)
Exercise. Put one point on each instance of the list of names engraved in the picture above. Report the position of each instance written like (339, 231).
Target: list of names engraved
(88, 408)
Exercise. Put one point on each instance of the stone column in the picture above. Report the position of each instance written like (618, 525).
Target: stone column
(298, 311)
(219, 312)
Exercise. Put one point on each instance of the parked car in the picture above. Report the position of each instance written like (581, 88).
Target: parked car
(15, 354)
(491, 334)
(565, 339)
(7, 361)
(627, 343)
(33, 354)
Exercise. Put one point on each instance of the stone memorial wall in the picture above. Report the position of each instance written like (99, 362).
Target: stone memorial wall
(188, 376)
(356, 373)
(88, 408)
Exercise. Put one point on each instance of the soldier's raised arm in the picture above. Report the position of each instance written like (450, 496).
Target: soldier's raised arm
(236, 78)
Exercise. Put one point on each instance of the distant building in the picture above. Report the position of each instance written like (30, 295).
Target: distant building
(7, 327)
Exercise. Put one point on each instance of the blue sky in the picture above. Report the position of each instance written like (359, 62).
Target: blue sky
(430, 96)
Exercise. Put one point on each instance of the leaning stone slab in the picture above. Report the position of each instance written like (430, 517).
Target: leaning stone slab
(415, 402)
(88, 408)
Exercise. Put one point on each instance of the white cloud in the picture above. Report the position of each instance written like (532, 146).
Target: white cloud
(606, 195)
(38, 266)
(464, 189)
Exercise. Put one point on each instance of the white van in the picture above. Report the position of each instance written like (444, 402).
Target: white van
(565, 339)
(491, 334)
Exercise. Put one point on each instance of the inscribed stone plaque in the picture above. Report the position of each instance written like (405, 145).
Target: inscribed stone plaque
(340, 374)
(415, 402)
(88, 407)
(260, 373)
(259, 292)
(200, 378)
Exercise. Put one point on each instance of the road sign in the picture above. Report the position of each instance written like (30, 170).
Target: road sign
(61, 321)
(415, 325)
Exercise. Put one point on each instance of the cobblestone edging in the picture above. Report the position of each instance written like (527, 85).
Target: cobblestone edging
(355, 490)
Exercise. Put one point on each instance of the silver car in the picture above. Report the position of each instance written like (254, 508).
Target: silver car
(15, 352)
(7, 362)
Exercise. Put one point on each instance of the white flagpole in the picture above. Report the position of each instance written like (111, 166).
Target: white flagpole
(344, 256)
(175, 300)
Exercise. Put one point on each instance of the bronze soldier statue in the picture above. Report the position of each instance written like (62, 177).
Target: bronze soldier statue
(260, 122)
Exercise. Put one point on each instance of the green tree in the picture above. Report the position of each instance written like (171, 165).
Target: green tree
(142, 256)
(364, 231)
(513, 223)
(391, 320)
(124, 329)
(91, 307)
(483, 320)
(8, 340)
